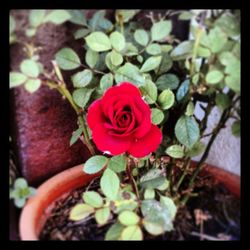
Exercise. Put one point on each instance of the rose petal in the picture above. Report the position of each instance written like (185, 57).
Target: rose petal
(106, 142)
(147, 144)
(95, 115)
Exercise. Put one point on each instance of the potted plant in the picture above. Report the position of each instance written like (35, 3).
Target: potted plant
(135, 96)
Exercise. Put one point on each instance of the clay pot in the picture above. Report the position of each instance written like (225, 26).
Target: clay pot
(38, 208)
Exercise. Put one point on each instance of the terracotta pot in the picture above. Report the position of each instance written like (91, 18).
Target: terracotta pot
(38, 208)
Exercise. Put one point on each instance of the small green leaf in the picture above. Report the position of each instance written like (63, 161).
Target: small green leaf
(128, 218)
(82, 79)
(149, 194)
(114, 232)
(153, 49)
(17, 79)
(117, 163)
(102, 215)
(152, 179)
(117, 40)
(166, 99)
(166, 48)
(161, 30)
(153, 228)
(149, 91)
(185, 15)
(36, 17)
(20, 202)
(151, 63)
(130, 50)
(139, 58)
(91, 58)
(132, 233)
(167, 81)
(190, 109)
(98, 41)
(32, 85)
(81, 96)
(126, 15)
(141, 37)
(95, 164)
(182, 50)
(236, 128)
(109, 63)
(187, 131)
(80, 212)
(157, 116)
(67, 59)
(116, 58)
(216, 39)
(20, 183)
(182, 90)
(93, 199)
(166, 201)
(75, 136)
(203, 52)
(106, 81)
(195, 78)
(30, 32)
(81, 33)
(165, 65)
(29, 68)
(196, 149)
(214, 77)
(77, 17)
(222, 101)
(110, 184)
(163, 186)
(175, 151)
(57, 17)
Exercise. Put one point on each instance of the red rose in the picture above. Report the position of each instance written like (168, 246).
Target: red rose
(120, 122)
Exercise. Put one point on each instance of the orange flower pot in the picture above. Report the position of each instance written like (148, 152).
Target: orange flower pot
(37, 209)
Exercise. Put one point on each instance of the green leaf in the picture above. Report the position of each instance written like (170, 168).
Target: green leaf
(30, 32)
(117, 40)
(151, 63)
(157, 213)
(139, 58)
(152, 179)
(20, 202)
(36, 17)
(20, 183)
(149, 194)
(17, 79)
(196, 149)
(157, 116)
(106, 81)
(114, 232)
(12, 24)
(110, 184)
(195, 78)
(32, 85)
(126, 15)
(185, 15)
(236, 128)
(166, 48)
(182, 90)
(161, 30)
(214, 77)
(81, 96)
(128, 218)
(164, 185)
(233, 82)
(182, 51)
(222, 101)
(130, 50)
(93, 199)
(141, 37)
(81, 33)
(102, 215)
(80, 212)
(132, 233)
(82, 79)
(203, 52)
(29, 68)
(166, 99)
(187, 131)
(153, 228)
(109, 63)
(216, 39)
(175, 151)
(116, 58)
(166, 201)
(117, 163)
(67, 59)
(91, 58)
(75, 136)
(57, 17)
(165, 65)
(98, 41)
(167, 81)
(149, 91)
(190, 109)
(78, 17)
(129, 73)
(95, 164)
(153, 49)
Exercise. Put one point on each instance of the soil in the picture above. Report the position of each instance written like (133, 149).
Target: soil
(213, 215)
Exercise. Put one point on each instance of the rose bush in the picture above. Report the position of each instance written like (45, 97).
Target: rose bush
(121, 122)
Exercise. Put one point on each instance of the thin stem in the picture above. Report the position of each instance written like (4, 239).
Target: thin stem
(131, 178)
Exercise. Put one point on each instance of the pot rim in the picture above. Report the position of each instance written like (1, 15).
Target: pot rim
(37, 209)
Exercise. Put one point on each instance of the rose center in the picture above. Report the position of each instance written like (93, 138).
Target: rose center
(123, 119)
